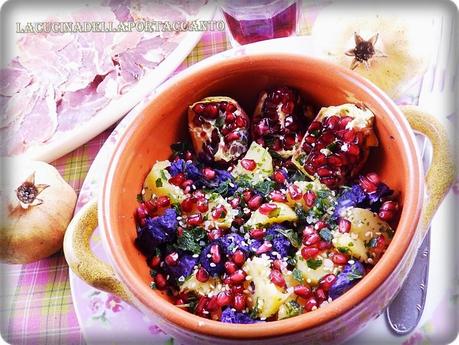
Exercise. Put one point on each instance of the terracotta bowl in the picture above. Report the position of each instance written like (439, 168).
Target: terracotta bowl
(163, 122)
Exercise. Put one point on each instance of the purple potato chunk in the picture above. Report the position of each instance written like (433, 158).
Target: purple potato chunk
(351, 275)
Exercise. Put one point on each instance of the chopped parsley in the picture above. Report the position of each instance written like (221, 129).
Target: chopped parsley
(139, 197)
(314, 264)
(293, 308)
(298, 275)
(159, 182)
(190, 240)
(354, 275)
(343, 249)
(255, 310)
(292, 236)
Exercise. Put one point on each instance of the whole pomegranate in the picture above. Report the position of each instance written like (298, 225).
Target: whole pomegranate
(219, 129)
(279, 120)
(337, 144)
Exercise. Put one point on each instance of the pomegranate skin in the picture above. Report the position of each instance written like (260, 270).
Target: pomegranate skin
(279, 120)
(219, 130)
(337, 144)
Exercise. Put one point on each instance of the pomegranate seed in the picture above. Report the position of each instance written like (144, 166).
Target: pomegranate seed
(160, 281)
(219, 212)
(230, 267)
(211, 111)
(288, 107)
(238, 257)
(309, 252)
(353, 149)
(178, 179)
(323, 172)
(202, 275)
(389, 206)
(186, 184)
(151, 206)
(318, 160)
(199, 108)
(277, 278)
(367, 185)
(237, 289)
(201, 305)
(172, 259)
(339, 259)
(246, 195)
(235, 202)
(314, 126)
(212, 305)
(241, 122)
(312, 239)
(248, 164)
(215, 254)
(255, 202)
(327, 281)
(309, 198)
(373, 178)
(344, 225)
(332, 122)
(310, 304)
(380, 246)
(232, 137)
(237, 277)
(277, 264)
(257, 234)
(344, 121)
(265, 247)
(154, 262)
(335, 161)
(202, 205)
(279, 176)
(349, 136)
(320, 295)
(277, 196)
(320, 225)
(214, 234)
(194, 219)
(302, 291)
(231, 107)
(310, 139)
(208, 173)
(187, 204)
(308, 230)
(387, 216)
(141, 212)
(164, 201)
(179, 302)
(266, 209)
(224, 299)
(229, 118)
(294, 192)
(188, 156)
(324, 245)
(240, 302)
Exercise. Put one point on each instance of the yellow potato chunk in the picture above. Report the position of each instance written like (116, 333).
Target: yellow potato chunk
(283, 213)
(213, 285)
(315, 268)
(264, 164)
(267, 297)
(349, 243)
(157, 183)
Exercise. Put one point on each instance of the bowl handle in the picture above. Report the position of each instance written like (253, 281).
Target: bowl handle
(442, 171)
(82, 260)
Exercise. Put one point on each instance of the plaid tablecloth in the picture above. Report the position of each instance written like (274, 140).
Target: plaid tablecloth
(38, 309)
